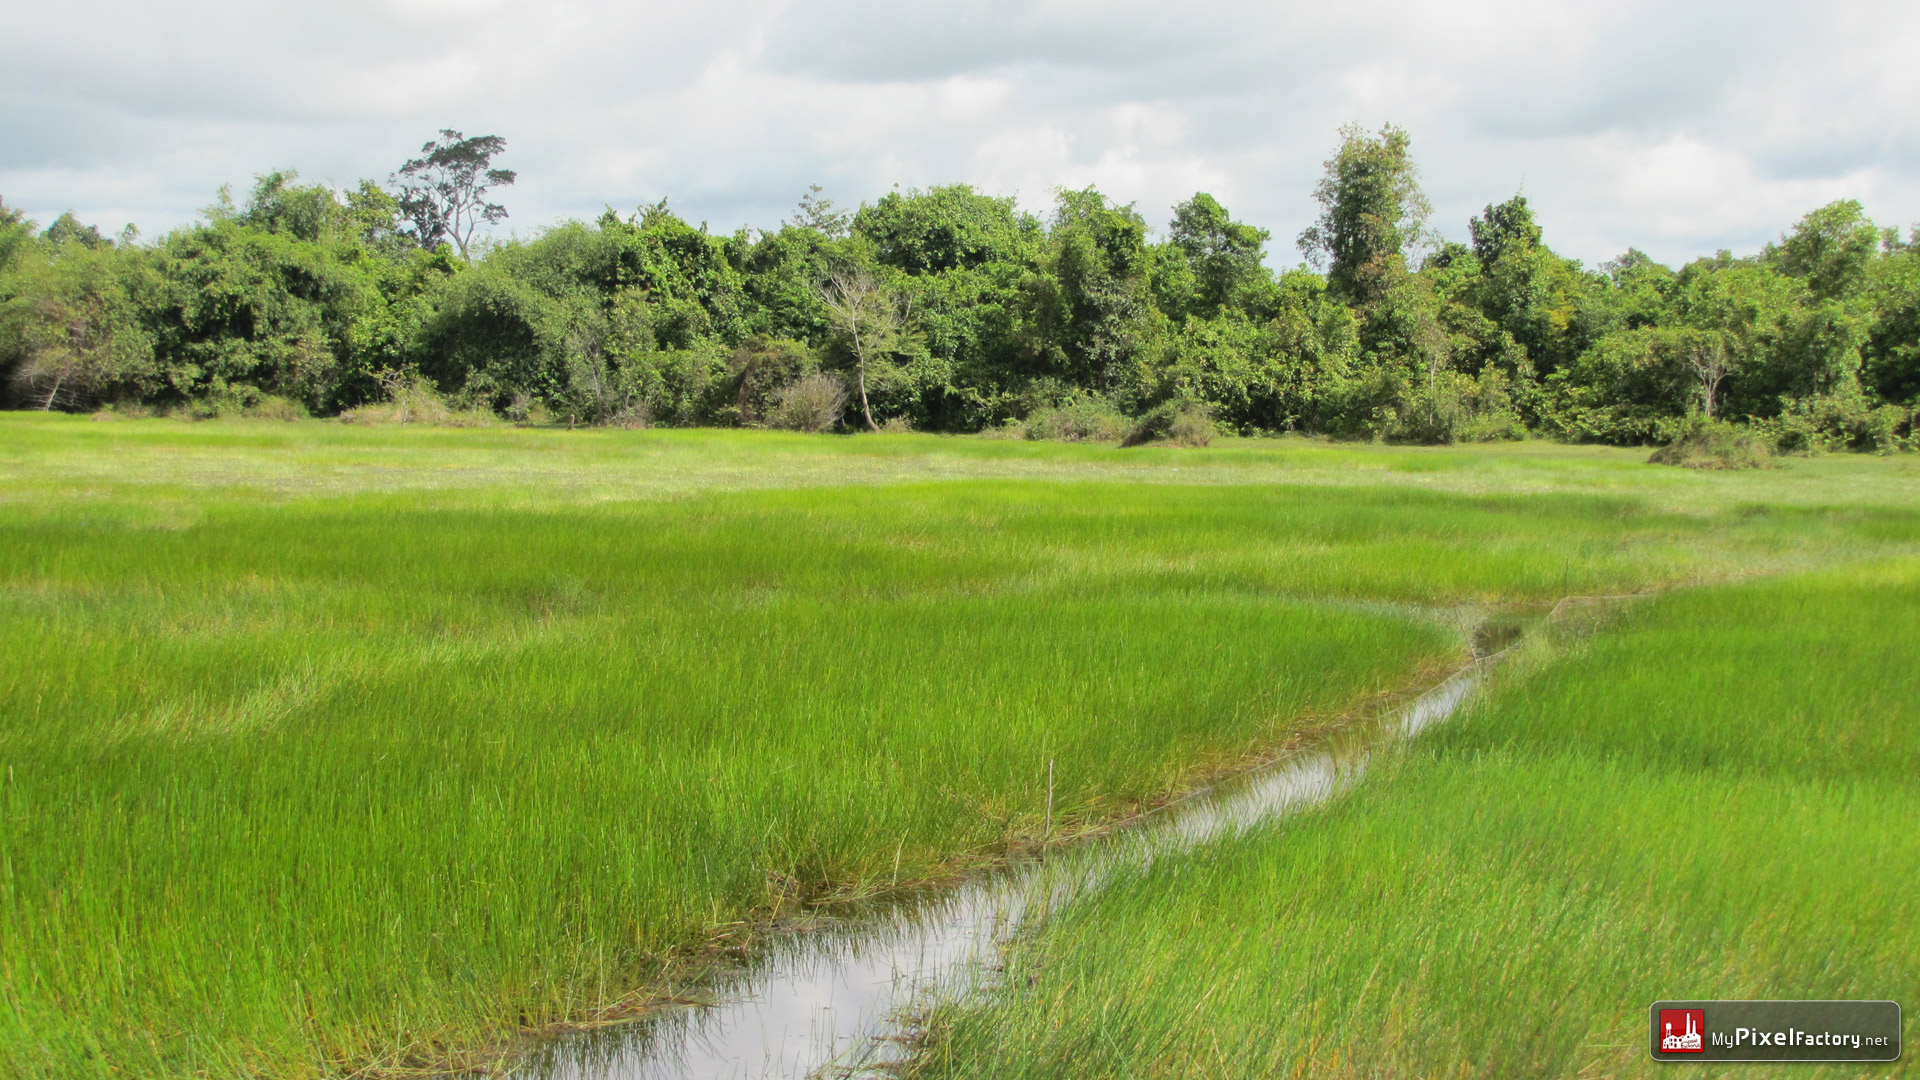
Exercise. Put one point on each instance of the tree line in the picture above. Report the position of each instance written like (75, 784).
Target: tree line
(952, 310)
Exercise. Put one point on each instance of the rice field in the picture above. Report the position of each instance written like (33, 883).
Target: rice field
(1711, 796)
(333, 750)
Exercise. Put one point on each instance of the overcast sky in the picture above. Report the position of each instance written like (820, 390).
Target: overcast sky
(1676, 127)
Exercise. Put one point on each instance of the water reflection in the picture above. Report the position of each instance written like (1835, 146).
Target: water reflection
(835, 1000)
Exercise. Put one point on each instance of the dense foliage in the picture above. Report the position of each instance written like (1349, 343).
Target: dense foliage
(971, 313)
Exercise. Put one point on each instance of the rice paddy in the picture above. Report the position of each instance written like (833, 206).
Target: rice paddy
(1712, 796)
(333, 750)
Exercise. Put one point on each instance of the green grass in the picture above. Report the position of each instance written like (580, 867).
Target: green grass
(327, 747)
(1713, 798)
(171, 465)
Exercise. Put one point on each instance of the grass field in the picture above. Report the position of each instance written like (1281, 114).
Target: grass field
(1713, 798)
(329, 748)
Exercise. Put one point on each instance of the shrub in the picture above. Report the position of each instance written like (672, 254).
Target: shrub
(1082, 419)
(239, 401)
(757, 373)
(412, 399)
(124, 410)
(1191, 429)
(1453, 408)
(1715, 444)
(1180, 422)
(811, 403)
(520, 407)
(1840, 422)
(898, 425)
(271, 407)
(1442, 408)
(631, 418)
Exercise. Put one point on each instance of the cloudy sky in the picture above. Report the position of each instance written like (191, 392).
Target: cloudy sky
(1675, 126)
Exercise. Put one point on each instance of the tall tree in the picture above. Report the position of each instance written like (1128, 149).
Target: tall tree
(1226, 255)
(1533, 295)
(1506, 229)
(16, 235)
(280, 204)
(945, 228)
(819, 214)
(1706, 357)
(1832, 248)
(1372, 212)
(67, 229)
(868, 316)
(443, 192)
(1093, 302)
(1893, 345)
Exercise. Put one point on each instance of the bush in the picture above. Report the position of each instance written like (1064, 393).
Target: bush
(1715, 444)
(811, 403)
(758, 372)
(123, 410)
(1453, 408)
(898, 425)
(630, 418)
(242, 402)
(1179, 422)
(1082, 419)
(1443, 408)
(1191, 429)
(1840, 422)
(412, 399)
(271, 407)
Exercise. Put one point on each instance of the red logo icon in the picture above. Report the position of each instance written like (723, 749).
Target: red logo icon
(1682, 1031)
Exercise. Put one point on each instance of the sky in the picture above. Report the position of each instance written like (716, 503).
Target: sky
(1677, 127)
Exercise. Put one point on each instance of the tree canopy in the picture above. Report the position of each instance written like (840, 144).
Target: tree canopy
(952, 309)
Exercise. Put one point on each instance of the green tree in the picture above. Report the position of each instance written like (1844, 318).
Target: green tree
(1641, 289)
(1893, 341)
(443, 192)
(946, 228)
(1832, 248)
(1226, 256)
(1372, 213)
(67, 229)
(1092, 306)
(16, 237)
(1544, 304)
(307, 212)
(72, 331)
(247, 307)
(820, 215)
(1780, 341)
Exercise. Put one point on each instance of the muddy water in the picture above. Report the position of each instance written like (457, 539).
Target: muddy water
(834, 1001)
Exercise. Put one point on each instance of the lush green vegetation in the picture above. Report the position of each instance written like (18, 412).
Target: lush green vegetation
(329, 745)
(953, 310)
(1712, 797)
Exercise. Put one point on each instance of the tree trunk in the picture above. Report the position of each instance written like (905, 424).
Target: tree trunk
(866, 410)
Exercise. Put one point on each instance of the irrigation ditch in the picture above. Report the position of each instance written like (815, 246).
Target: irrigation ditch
(839, 995)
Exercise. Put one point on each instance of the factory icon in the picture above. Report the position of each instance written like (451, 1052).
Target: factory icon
(1686, 1041)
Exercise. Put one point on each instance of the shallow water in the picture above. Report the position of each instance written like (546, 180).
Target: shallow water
(837, 1000)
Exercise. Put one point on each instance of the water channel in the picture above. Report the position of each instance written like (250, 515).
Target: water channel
(837, 1000)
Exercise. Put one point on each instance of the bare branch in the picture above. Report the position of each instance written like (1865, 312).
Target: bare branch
(868, 315)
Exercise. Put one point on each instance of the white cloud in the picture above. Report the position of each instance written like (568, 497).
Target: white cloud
(1677, 127)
